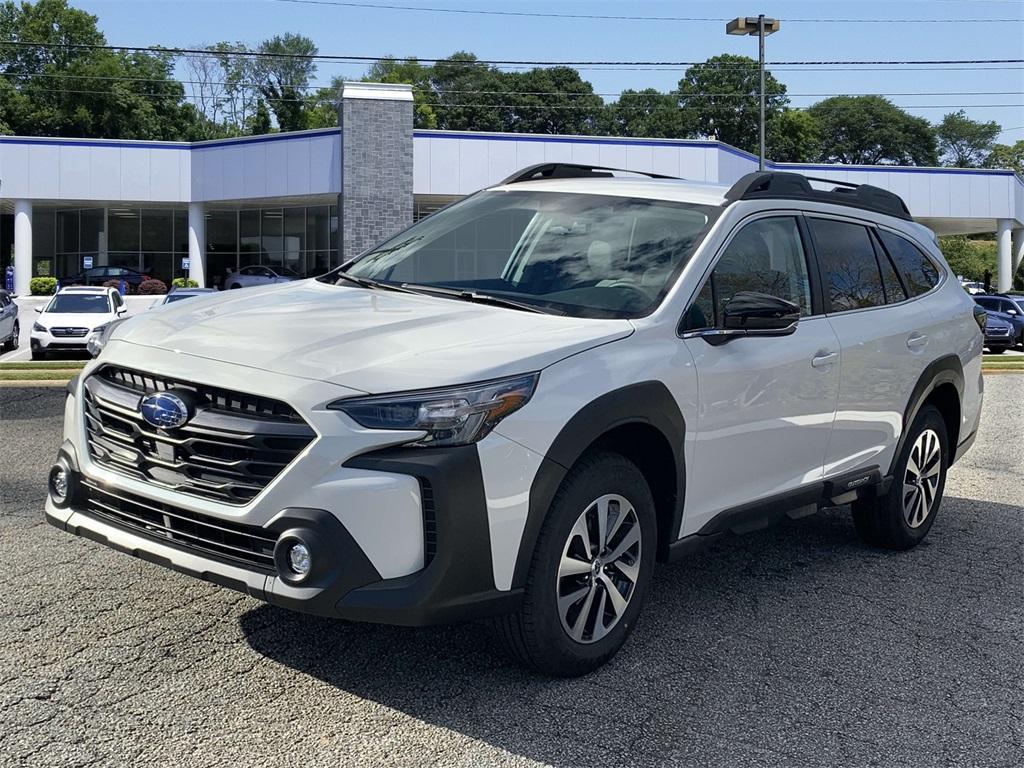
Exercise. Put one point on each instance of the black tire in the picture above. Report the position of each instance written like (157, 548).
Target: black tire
(883, 521)
(11, 343)
(233, 286)
(535, 635)
(996, 350)
(38, 354)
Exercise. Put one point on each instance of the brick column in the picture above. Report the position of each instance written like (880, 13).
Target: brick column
(376, 165)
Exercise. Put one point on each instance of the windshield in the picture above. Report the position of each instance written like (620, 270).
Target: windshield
(581, 255)
(79, 304)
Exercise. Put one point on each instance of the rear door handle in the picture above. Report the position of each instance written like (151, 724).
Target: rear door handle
(917, 341)
(820, 361)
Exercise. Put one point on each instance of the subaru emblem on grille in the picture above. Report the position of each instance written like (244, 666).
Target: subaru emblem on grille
(164, 410)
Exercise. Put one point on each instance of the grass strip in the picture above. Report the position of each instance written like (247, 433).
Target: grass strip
(36, 375)
(65, 365)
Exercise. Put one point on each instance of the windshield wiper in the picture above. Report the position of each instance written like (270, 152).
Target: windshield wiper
(479, 298)
(364, 282)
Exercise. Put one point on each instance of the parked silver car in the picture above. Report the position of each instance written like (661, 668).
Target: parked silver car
(254, 275)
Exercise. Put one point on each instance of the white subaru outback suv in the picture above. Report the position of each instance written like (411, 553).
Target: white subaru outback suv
(517, 406)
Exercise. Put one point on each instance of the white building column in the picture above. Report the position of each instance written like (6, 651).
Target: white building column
(1004, 278)
(22, 246)
(1017, 247)
(197, 243)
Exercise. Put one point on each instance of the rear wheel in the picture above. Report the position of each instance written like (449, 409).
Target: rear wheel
(590, 572)
(12, 343)
(902, 518)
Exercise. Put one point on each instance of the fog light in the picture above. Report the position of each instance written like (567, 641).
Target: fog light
(59, 484)
(299, 559)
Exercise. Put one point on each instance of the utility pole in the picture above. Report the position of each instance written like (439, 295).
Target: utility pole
(762, 27)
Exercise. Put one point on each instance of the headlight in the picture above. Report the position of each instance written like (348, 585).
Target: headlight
(37, 327)
(101, 335)
(450, 416)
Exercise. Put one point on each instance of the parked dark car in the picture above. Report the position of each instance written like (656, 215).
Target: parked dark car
(1008, 309)
(101, 275)
(9, 328)
(999, 332)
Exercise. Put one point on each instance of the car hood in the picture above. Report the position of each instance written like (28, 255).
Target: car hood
(366, 339)
(73, 319)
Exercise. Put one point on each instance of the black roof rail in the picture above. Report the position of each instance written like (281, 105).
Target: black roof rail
(766, 185)
(572, 171)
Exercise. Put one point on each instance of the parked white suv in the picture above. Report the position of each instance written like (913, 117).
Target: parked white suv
(71, 318)
(517, 406)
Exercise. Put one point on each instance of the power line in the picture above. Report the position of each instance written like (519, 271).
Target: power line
(449, 105)
(611, 17)
(540, 63)
(255, 85)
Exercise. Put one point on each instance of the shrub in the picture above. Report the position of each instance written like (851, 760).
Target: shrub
(116, 285)
(152, 287)
(182, 282)
(42, 286)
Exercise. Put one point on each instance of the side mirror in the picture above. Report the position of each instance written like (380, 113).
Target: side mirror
(39, 310)
(749, 313)
(121, 311)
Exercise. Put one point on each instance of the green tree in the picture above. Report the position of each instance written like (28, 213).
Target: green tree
(284, 70)
(963, 142)
(794, 136)
(392, 70)
(259, 122)
(62, 89)
(872, 130)
(1007, 156)
(648, 113)
(969, 258)
(552, 100)
(470, 96)
(721, 98)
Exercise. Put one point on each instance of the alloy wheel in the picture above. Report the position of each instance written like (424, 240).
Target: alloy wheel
(921, 479)
(599, 568)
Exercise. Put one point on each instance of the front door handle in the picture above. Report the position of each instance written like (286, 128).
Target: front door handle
(916, 341)
(820, 361)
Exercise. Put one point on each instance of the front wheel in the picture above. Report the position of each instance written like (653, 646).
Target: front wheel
(996, 350)
(902, 518)
(590, 573)
(38, 354)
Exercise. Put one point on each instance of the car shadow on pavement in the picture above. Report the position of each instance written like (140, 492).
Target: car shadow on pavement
(795, 645)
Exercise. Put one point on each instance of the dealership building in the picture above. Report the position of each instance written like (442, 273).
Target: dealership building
(307, 200)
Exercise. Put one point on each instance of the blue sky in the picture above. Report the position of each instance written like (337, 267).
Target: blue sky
(365, 31)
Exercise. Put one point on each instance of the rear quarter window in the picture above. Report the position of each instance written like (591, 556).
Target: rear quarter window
(919, 273)
(848, 265)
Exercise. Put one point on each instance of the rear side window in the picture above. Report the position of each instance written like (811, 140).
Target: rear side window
(920, 275)
(766, 256)
(894, 292)
(848, 265)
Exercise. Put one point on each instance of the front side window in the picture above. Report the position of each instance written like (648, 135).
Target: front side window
(766, 256)
(848, 265)
(919, 273)
(79, 303)
(580, 255)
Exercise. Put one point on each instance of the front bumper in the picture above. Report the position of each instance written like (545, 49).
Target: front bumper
(46, 341)
(455, 584)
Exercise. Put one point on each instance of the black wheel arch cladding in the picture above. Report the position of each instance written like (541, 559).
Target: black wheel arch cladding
(944, 371)
(645, 404)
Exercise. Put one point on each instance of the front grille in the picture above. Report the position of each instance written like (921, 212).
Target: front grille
(998, 332)
(69, 332)
(246, 545)
(231, 449)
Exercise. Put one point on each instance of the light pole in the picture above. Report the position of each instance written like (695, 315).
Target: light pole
(762, 27)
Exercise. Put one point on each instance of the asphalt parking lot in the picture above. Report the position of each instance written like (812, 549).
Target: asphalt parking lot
(790, 647)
